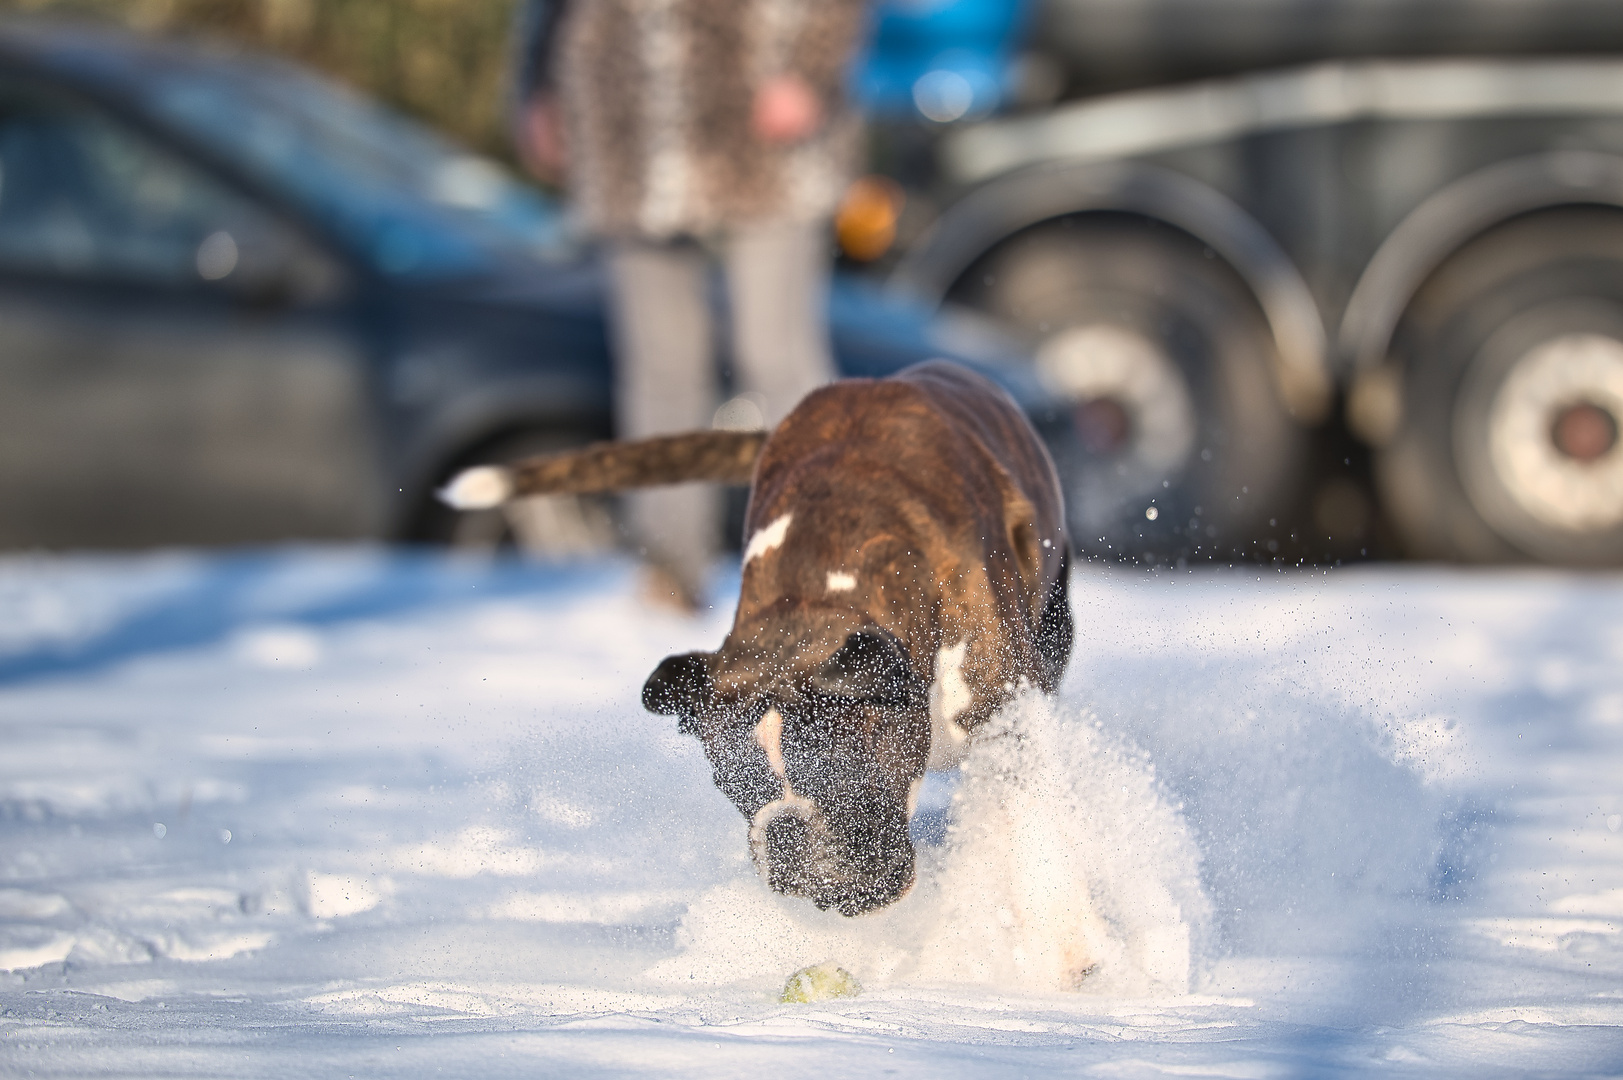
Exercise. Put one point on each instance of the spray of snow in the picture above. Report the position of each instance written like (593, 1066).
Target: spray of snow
(1433, 747)
(1062, 869)
(333, 896)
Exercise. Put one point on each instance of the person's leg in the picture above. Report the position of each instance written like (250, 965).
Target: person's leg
(777, 278)
(665, 383)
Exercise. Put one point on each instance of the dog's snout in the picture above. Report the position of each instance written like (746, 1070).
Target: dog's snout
(787, 840)
(783, 839)
(786, 837)
(799, 854)
(780, 826)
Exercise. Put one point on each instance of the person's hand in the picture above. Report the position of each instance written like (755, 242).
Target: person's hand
(540, 139)
(786, 110)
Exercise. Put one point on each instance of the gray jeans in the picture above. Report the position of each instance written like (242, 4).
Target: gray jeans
(665, 376)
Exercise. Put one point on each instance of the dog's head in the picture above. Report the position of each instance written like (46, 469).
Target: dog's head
(818, 747)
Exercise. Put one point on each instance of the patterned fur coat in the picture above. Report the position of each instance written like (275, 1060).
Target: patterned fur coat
(658, 95)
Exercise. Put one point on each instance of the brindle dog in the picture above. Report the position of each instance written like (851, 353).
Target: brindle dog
(905, 573)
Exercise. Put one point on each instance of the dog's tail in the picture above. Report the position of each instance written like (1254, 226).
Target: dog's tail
(721, 457)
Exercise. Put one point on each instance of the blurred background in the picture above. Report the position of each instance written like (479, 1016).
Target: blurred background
(443, 61)
(1278, 281)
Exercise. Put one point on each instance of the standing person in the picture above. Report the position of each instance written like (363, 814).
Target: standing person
(683, 126)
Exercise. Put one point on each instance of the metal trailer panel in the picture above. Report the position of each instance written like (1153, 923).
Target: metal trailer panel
(1111, 45)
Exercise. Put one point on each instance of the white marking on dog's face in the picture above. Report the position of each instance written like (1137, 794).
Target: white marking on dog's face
(949, 696)
(840, 581)
(768, 538)
(769, 737)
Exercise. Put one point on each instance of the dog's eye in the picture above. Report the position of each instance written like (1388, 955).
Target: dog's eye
(887, 719)
(886, 704)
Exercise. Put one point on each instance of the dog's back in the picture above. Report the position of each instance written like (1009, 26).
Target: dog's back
(923, 504)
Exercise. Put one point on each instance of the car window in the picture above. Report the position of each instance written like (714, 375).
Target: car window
(412, 203)
(84, 194)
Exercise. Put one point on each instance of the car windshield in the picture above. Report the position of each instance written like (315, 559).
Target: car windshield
(416, 205)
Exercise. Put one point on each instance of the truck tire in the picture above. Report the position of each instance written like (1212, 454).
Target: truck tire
(1511, 359)
(1179, 446)
(548, 526)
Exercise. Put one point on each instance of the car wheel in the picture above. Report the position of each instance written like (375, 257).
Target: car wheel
(1507, 446)
(1179, 444)
(550, 526)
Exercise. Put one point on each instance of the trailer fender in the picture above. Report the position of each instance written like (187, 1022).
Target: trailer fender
(1441, 224)
(1009, 204)
(1425, 239)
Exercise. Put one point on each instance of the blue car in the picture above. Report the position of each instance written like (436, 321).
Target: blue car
(241, 305)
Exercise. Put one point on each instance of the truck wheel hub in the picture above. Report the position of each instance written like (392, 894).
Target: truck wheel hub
(1132, 402)
(1553, 432)
(1103, 424)
(1584, 432)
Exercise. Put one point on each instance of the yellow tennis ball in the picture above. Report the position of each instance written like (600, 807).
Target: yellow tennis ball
(819, 983)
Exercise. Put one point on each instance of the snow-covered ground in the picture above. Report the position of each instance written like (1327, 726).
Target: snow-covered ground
(352, 812)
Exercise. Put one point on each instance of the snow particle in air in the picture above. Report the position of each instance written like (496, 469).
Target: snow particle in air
(159, 829)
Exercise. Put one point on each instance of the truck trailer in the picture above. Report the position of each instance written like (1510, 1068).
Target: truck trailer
(1317, 280)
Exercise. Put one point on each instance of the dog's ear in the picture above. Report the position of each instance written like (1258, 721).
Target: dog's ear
(680, 687)
(1021, 518)
(871, 665)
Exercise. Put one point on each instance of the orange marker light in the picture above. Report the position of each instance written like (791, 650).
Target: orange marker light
(866, 220)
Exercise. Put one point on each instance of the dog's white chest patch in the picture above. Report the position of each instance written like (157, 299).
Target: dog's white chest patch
(840, 581)
(768, 538)
(949, 696)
